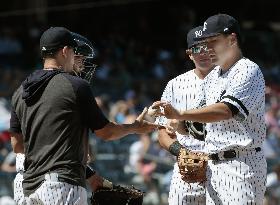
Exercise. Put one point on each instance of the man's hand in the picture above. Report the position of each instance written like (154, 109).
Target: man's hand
(113, 131)
(95, 182)
(171, 127)
(144, 126)
(168, 110)
(174, 126)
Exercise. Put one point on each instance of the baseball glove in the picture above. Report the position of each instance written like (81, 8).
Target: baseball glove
(192, 166)
(118, 195)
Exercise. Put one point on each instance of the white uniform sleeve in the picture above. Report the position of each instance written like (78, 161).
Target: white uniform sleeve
(246, 90)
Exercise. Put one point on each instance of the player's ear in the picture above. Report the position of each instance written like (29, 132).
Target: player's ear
(233, 39)
(189, 53)
(64, 51)
(191, 57)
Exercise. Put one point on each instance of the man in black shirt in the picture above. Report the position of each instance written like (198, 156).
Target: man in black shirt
(52, 114)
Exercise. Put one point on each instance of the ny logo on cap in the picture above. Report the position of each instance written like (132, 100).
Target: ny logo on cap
(44, 48)
(204, 26)
(198, 33)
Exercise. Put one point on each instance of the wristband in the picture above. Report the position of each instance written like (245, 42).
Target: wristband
(174, 148)
(89, 172)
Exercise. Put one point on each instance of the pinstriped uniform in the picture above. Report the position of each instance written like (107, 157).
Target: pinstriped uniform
(241, 180)
(18, 191)
(185, 92)
(51, 191)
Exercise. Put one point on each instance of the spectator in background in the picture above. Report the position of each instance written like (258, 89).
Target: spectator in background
(9, 163)
(119, 111)
(103, 103)
(6, 83)
(164, 66)
(142, 160)
(273, 187)
(9, 43)
(4, 115)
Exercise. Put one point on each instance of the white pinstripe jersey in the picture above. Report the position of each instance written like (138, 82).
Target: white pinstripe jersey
(243, 86)
(185, 92)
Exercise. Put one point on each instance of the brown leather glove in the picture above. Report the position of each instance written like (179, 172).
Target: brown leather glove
(192, 166)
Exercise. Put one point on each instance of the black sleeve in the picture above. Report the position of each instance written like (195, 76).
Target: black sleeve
(14, 122)
(94, 117)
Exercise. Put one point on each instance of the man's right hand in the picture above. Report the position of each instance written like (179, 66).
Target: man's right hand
(144, 126)
(172, 126)
(165, 109)
(95, 182)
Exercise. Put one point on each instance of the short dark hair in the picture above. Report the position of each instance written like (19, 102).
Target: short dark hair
(50, 53)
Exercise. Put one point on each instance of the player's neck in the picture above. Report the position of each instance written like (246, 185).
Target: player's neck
(51, 64)
(200, 74)
(232, 57)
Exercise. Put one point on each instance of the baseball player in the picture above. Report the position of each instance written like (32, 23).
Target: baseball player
(235, 98)
(51, 116)
(186, 92)
(83, 67)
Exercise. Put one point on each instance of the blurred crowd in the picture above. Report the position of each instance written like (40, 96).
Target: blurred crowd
(132, 73)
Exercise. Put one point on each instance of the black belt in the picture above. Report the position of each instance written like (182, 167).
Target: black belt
(227, 154)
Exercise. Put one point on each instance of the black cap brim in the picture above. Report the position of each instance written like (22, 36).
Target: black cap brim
(203, 37)
(197, 41)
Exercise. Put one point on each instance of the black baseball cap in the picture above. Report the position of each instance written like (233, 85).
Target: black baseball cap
(192, 39)
(55, 38)
(220, 24)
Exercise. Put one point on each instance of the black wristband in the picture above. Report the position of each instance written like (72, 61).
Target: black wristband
(89, 172)
(174, 148)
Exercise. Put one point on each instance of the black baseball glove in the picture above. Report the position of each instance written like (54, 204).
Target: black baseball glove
(118, 195)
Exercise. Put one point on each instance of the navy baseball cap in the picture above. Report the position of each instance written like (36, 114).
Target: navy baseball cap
(55, 38)
(220, 24)
(192, 37)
